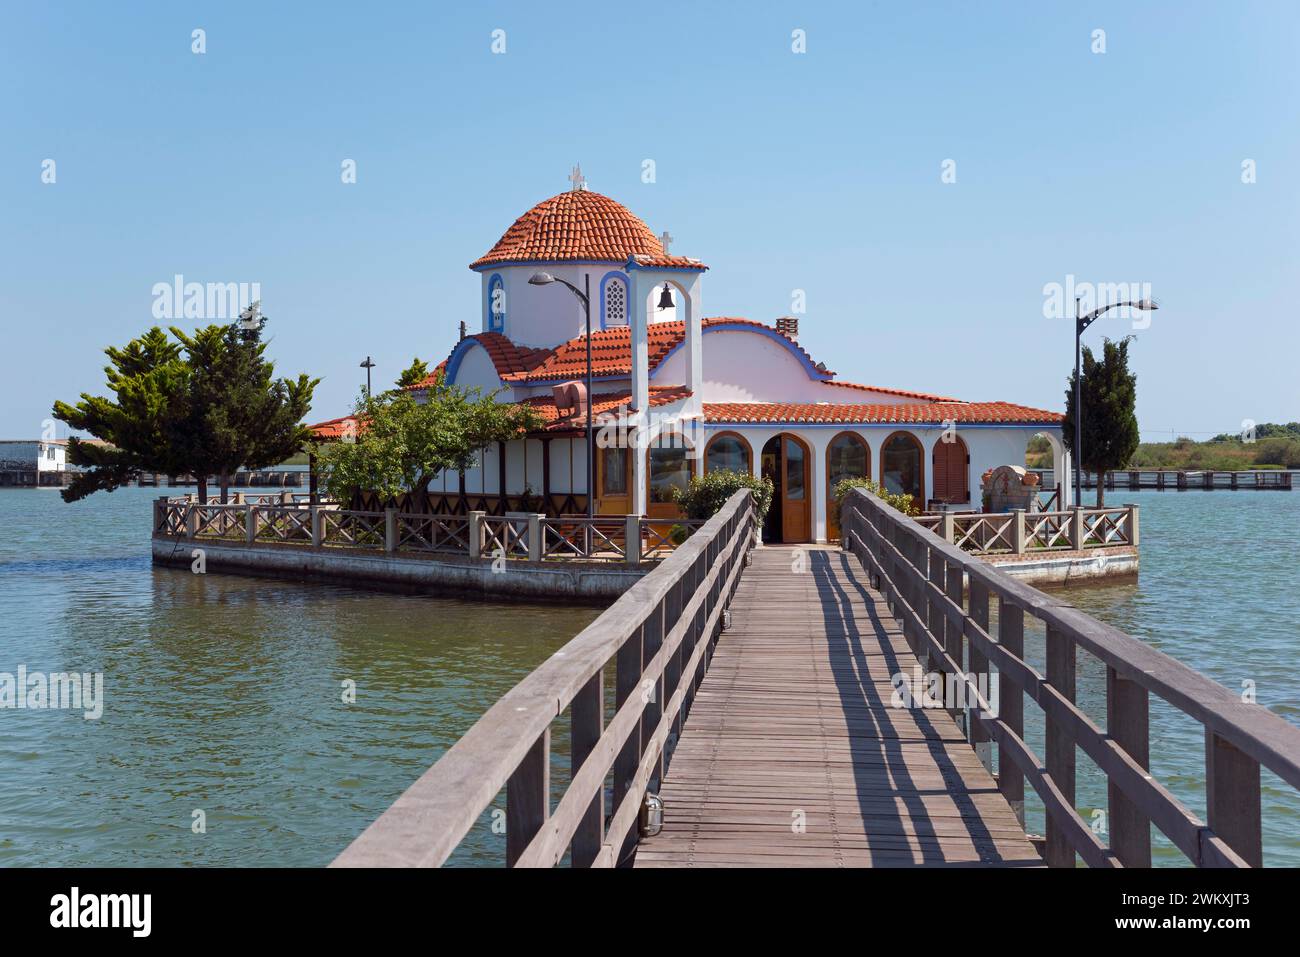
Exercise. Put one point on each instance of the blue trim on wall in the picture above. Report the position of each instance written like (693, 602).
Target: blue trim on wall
(813, 372)
(487, 304)
(457, 356)
(627, 295)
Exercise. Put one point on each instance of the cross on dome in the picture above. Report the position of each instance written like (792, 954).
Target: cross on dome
(666, 238)
(577, 179)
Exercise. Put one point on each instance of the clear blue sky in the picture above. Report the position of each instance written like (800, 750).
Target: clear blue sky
(818, 171)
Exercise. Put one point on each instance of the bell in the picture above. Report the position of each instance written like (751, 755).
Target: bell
(666, 298)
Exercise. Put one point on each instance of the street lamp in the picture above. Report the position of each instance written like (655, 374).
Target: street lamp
(367, 365)
(544, 279)
(1080, 324)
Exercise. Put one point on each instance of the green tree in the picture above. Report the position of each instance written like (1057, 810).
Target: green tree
(402, 444)
(205, 406)
(239, 413)
(1110, 427)
(417, 371)
(138, 425)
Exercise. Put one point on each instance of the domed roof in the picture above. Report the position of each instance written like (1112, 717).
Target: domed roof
(575, 225)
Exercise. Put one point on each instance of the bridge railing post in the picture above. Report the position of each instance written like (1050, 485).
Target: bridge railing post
(1127, 723)
(1060, 743)
(586, 716)
(528, 797)
(1232, 798)
(627, 682)
(1011, 704)
(390, 530)
(953, 637)
(976, 733)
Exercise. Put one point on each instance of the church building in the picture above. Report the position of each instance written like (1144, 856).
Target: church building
(678, 393)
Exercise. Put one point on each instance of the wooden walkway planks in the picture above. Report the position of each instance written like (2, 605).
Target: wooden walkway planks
(792, 725)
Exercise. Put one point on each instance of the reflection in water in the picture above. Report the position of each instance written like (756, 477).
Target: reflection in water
(225, 695)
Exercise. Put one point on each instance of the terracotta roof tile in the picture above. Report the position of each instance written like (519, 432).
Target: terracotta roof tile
(508, 359)
(603, 402)
(929, 413)
(577, 225)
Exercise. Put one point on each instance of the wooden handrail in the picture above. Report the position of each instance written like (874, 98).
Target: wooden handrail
(658, 634)
(921, 576)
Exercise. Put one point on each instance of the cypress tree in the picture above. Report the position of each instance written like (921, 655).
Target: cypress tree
(1110, 427)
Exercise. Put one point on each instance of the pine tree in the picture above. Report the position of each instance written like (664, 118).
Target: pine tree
(206, 406)
(416, 372)
(138, 425)
(1110, 427)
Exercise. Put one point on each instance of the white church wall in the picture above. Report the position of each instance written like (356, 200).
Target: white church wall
(544, 316)
(751, 366)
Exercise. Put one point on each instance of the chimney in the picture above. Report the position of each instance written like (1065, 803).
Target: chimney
(570, 400)
(788, 326)
(463, 330)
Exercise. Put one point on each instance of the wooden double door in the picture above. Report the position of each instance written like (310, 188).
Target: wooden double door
(787, 462)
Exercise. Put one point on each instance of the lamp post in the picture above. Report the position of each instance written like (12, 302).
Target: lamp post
(367, 365)
(543, 279)
(1080, 324)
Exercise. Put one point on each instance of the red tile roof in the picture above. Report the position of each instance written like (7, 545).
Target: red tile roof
(669, 262)
(332, 430)
(508, 359)
(577, 225)
(611, 352)
(929, 413)
(604, 402)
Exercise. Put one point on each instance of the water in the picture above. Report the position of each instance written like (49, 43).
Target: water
(1219, 589)
(223, 694)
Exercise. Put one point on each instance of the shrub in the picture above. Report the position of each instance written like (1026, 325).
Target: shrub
(901, 502)
(705, 495)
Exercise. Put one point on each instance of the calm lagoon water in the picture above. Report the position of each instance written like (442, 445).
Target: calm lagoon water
(223, 694)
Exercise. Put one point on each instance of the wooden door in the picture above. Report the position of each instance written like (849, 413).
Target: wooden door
(847, 457)
(952, 472)
(614, 481)
(796, 497)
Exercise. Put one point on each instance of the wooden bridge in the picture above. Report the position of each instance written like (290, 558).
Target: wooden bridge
(761, 695)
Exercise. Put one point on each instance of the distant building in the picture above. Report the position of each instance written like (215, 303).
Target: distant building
(33, 455)
(33, 462)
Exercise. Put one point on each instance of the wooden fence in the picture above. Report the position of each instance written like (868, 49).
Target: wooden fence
(285, 520)
(921, 576)
(1182, 479)
(1021, 532)
(658, 638)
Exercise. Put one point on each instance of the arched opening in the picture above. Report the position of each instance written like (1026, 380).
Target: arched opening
(613, 300)
(902, 467)
(668, 468)
(1045, 456)
(951, 471)
(496, 304)
(728, 450)
(787, 463)
(847, 457)
(656, 311)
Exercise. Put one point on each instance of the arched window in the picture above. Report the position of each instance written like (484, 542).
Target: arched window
(901, 466)
(847, 457)
(496, 304)
(727, 450)
(614, 305)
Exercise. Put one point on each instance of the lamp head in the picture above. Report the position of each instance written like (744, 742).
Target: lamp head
(540, 279)
(1149, 304)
